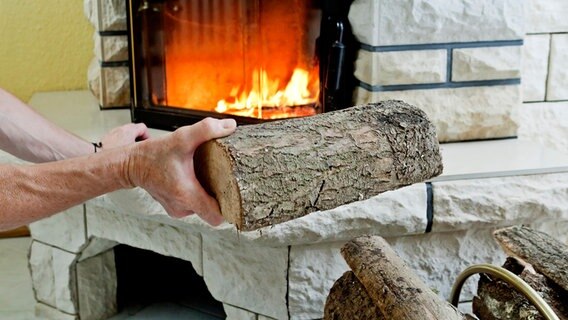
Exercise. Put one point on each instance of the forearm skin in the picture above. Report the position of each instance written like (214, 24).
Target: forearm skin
(33, 192)
(29, 136)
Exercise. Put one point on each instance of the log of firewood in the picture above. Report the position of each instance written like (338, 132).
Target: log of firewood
(274, 172)
(547, 255)
(394, 287)
(349, 300)
(495, 299)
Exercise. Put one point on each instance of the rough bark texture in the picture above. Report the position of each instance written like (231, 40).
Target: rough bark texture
(547, 255)
(274, 172)
(348, 300)
(398, 292)
(498, 300)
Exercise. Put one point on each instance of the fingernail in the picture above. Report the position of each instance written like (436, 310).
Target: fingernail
(229, 123)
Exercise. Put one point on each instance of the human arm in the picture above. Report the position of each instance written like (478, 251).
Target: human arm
(29, 136)
(163, 166)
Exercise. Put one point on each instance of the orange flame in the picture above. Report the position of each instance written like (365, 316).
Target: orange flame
(267, 101)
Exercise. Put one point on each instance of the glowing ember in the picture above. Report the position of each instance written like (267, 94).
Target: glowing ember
(267, 100)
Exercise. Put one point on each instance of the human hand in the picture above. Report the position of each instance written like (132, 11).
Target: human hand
(124, 135)
(164, 167)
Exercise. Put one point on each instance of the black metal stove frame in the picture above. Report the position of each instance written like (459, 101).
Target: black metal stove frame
(335, 47)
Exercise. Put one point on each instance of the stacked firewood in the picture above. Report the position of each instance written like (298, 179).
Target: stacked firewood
(381, 286)
(538, 259)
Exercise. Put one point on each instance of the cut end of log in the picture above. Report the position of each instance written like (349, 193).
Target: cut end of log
(216, 178)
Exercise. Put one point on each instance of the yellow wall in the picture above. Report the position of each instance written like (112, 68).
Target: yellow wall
(45, 45)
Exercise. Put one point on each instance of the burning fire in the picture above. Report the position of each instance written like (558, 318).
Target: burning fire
(239, 58)
(266, 99)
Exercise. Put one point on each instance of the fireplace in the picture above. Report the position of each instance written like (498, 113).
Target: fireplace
(250, 60)
(463, 68)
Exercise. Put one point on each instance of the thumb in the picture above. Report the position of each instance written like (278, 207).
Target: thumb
(208, 129)
(142, 132)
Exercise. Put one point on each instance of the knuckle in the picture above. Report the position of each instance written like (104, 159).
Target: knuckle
(180, 135)
(209, 124)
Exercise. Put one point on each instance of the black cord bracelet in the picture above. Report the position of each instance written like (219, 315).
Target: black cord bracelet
(97, 145)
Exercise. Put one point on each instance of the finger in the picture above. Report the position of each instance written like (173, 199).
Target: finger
(142, 132)
(208, 129)
(207, 208)
(180, 213)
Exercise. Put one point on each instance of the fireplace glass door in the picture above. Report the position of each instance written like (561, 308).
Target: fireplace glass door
(253, 60)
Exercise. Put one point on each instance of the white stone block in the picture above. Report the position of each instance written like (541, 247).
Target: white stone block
(111, 48)
(65, 230)
(139, 232)
(53, 277)
(546, 16)
(465, 307)
(241, 274)
(313, 271)
(401, 67)
(234, 313)
(110, 85)
(106, 15)
(545, 123)
(41, 268)
(557, 85)
(45, 312)
(484, 203)
(262, 317)
(385, 22)
(135, 201)
(115, 87)
(492, 63)
(438, 258)
(460, 114)
(535, 66)
(94, 78)
(97, 286)
(65, 281)
(95, 247)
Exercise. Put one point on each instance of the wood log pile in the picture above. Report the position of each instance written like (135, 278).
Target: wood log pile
(381, 286)
(277, 171)
(541, 261)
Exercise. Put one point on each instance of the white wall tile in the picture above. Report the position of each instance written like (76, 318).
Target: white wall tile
(491, 63)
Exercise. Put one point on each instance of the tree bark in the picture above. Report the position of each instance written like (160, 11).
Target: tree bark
(274, 172)
(348, 300)
(394, 287)
(547, 255)
(496, 300)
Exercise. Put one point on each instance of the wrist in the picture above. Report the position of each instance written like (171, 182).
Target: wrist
(131, 173)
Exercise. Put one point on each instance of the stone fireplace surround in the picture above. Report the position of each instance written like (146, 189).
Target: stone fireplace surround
(285, 271)
(426, 53)
(470, 87)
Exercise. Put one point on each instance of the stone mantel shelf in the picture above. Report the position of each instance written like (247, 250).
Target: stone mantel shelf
(490, 161)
